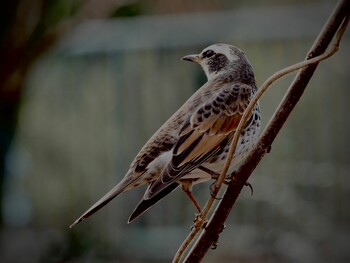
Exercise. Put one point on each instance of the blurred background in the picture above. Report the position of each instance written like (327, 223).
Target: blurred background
(85, 83)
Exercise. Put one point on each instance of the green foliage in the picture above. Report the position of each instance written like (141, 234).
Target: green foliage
(57, 10)
(130, 10)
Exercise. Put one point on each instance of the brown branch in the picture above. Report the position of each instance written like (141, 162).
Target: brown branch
(215, 226)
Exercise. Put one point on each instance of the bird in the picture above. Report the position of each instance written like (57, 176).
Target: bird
(192, 145)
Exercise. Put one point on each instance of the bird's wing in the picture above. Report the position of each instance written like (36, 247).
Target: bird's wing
(205, 133)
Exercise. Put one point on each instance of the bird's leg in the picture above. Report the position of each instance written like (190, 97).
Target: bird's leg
(198, 217)
(214, 175)
(193, 199)
(187, 188)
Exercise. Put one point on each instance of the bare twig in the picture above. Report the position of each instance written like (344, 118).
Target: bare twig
(238, 184)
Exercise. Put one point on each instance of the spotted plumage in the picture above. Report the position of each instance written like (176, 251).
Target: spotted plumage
(197, 137)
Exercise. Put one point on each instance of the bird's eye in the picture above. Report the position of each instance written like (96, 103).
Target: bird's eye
(209, 53)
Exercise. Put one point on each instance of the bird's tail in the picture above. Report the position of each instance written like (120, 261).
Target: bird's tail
(118, 189)
(146, 204)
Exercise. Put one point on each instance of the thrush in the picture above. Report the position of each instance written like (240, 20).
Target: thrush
(192, 145)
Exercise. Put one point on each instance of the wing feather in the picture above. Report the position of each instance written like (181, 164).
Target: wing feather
(205, 134)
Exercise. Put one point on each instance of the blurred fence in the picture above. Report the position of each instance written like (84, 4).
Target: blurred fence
(92, 103)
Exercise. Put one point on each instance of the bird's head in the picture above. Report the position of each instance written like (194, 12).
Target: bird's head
(219, 59)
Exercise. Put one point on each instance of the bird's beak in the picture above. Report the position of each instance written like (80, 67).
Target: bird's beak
(192, 58)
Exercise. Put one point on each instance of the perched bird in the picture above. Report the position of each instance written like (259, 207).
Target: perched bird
(192, 145)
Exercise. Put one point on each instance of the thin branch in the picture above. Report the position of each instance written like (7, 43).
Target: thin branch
(199, 251)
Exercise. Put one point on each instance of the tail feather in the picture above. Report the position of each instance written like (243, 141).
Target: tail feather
(118, 189)
(146, 204)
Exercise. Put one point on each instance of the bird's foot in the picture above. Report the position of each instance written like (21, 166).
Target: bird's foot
(211, 190)
(199, 222)
(214, 175)
(245, 184)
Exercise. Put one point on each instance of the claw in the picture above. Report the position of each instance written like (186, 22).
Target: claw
(246, 183)
(197, 220)
(212, 194)
(232, 175)
(192, 227)
(268, 150)
(250, 187)
(215, 243)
